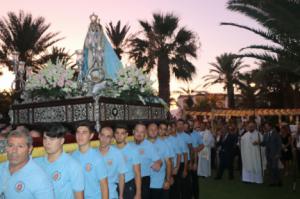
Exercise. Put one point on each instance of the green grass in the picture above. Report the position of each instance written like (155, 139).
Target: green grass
(235, 189)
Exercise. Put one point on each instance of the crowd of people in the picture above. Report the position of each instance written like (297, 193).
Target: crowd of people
(162, 161)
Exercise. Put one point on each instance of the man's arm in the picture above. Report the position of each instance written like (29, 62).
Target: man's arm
(168, 180)
(104, 188)
(156, 165)
(176, 168)
(121, 185)
(138, 181)
(78, 195)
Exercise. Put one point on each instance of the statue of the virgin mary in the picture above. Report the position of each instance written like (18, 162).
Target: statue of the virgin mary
(100, 62)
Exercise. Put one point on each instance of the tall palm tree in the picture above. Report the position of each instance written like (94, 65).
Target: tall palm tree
(163, 45)
(27, 35)
(225, 71)
(58, 54)
(189, 92)
(117, 35)
(280, 20)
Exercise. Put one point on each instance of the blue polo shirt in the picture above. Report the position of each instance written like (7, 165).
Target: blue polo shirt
(196, 139)
(94, 170)
(131, 158)
(148, 155)
(173, 142)
(157, 178)
(66, 174)
(115, 165)
(183, 146)
(30, 182)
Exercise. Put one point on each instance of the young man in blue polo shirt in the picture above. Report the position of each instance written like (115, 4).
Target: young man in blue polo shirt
(20, 176)
(148, 156)
(114, 162)
(183, 177)
(65, 172)
(197, 144)
(160, 180)
(133, 181)
(94, 168)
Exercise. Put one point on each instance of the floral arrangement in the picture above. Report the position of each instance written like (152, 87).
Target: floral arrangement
(55, 80)
(131, 83)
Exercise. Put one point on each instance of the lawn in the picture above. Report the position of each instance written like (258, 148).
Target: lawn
(235, 189)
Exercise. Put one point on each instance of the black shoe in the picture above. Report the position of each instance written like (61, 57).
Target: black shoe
(218, 178)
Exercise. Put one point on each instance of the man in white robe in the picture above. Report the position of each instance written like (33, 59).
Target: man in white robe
(252, 155)
(204, 156)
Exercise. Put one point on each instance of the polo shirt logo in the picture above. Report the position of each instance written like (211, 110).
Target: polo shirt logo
(88, 167)
(109, 162)
(141, 151)
(56, 176)
(19, 186)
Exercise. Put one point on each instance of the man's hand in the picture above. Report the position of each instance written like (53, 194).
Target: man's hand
(171, 181)
(184, 173)
(166, 185)
(137, 196)
(194, 167)
(175, 171)
(156, 166)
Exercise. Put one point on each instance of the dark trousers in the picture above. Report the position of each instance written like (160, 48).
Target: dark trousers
(272, 165)
(166, 194)
(146, 187)
(195, 185)
(156, 193)
(226, 162)
(175, 188)
(129, 190)
(184, 183)
(298, 160)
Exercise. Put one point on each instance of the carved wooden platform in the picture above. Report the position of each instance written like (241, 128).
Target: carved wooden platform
(102, 111)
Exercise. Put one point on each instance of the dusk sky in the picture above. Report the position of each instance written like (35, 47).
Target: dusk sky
(71, 19)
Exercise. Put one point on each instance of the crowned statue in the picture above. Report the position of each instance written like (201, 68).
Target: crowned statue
(100, 62)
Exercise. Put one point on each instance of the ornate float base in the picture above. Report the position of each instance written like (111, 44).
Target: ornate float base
(101, 110)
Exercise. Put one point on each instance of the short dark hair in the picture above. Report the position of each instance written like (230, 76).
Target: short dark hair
(56, 131)
(121, 126)
(180, 120)
(87, 124)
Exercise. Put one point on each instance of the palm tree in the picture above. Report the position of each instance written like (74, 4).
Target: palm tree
(27, 35)
(280, 20)
(58, 54)
(117, 36)
(225, 71)
(163, 45)
(189, 93)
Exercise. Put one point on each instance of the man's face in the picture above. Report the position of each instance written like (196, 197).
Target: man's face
(17, 151)
(186, 127)
(105, 137)
(83, 135)
(120, 135)
(163, 130)
(251, 127)
(197, 126)
(139, 133)
(52, 145)
(180, 126)
(152, 131)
